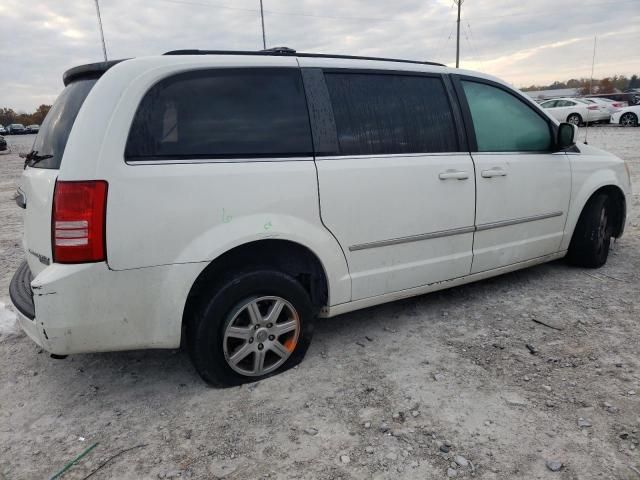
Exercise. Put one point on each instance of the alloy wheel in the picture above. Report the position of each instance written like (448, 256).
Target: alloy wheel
(603, 230)
(627, 120)
(261, 335)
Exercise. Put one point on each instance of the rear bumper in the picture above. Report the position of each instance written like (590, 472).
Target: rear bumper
(22, 299)
(21, 293)
(90, 308)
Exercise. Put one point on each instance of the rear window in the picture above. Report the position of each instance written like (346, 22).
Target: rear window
(222, 113)
(391, 114)
(54, 131)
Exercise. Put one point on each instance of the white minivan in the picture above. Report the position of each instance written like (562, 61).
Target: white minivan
(225, 200)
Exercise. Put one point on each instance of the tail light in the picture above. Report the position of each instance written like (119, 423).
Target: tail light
(617, 105)
(78, 221)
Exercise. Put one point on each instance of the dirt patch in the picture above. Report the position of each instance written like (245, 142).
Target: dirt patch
(460, 382)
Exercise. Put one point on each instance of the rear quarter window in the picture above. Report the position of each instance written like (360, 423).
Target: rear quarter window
(222, 113)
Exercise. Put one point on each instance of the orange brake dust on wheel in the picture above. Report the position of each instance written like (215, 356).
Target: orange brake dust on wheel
(290, 344)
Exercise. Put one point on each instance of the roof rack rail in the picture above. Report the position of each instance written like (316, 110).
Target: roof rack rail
(279, 51)
(285, 51)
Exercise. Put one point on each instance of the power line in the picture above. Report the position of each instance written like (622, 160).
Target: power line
(473, 43)
(443, 40)
(543, 13)
(273, 12)
(366, 19)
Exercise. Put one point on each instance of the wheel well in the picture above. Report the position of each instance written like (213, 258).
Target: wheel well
(620, 206)
(283, 255)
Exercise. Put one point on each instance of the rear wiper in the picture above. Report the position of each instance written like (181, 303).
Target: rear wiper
(33, 158)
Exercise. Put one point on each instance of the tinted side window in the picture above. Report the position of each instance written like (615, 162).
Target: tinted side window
(387, 114)
(504, 123)
(222, 113)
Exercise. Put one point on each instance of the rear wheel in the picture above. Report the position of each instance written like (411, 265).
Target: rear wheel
(592, 237)
(252, 325)
(629, 119)
(574, 119)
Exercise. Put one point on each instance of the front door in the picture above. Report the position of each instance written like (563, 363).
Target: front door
(398, 193)
(523, 187)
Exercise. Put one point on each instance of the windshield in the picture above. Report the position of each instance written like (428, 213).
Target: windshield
(51, 141)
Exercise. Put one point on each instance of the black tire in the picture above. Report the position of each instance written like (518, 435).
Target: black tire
(592, 237)
(629, 119)
(206, 329)
(575, 119)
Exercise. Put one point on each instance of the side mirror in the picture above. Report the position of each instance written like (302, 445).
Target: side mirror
(567, 135)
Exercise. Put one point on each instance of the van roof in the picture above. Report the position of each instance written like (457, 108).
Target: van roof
(95, 70)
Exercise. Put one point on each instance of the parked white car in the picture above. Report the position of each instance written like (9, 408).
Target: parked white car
(627, 117)
(575, 111)
(603, 111)
(611, 105)
(228, 199)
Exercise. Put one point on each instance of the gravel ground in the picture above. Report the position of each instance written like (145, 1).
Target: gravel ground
(435, 386)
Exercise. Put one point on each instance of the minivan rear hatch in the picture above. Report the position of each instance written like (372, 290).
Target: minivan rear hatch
(43, 163)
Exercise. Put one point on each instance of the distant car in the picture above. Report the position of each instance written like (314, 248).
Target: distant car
(2, 130)
(607, 104)
(16, 129)
(569, 110)
(627, 117)
(598, 112)
(634, 95)
(32, 128)
(3, 144)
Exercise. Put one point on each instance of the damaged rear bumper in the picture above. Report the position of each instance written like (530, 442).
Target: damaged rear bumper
(82, 308)
(22, 299)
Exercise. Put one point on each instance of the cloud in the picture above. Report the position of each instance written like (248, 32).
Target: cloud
(523, 42)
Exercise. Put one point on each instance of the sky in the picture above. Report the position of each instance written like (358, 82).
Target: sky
(523, 42)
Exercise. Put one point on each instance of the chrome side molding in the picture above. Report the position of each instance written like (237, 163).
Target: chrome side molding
(413, 238)
(453, 231)
(515, 221)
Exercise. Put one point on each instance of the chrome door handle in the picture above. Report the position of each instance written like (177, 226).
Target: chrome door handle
(494, 172)
(453, 174)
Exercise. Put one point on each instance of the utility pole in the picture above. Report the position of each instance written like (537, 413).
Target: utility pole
(459, 4)
(104, 45)
(264, 39)
(593, 64)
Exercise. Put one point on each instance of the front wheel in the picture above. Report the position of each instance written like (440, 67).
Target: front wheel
(592, 237)
(574, 119)
(629, 120)
(252, 325)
